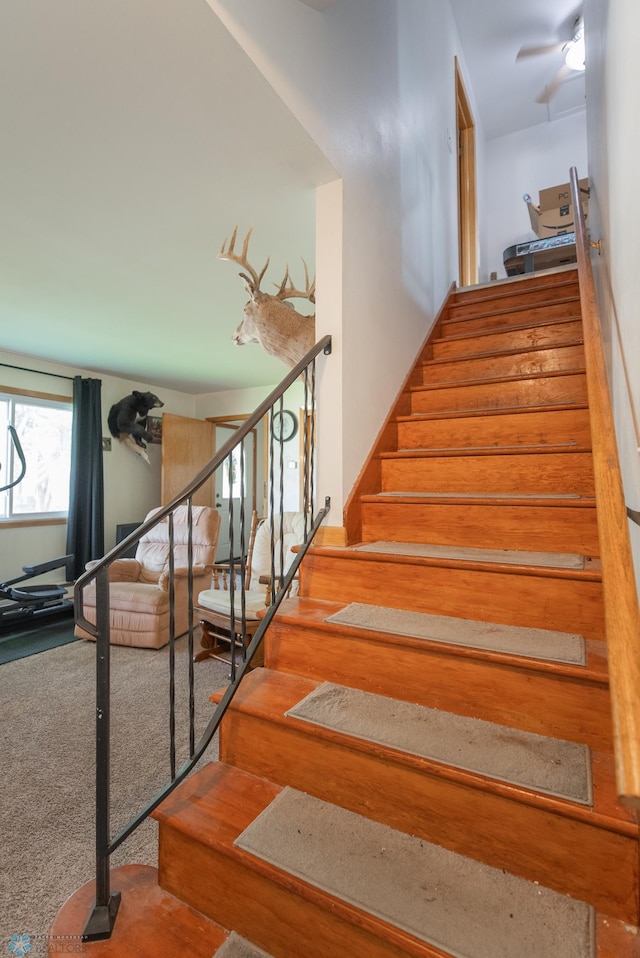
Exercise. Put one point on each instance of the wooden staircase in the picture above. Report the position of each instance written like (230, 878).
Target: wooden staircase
(484, 483)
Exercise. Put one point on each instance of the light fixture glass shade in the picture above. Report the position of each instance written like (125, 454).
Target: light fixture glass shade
(574, 57)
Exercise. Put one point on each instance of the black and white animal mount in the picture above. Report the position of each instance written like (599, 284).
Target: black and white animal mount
(127, 420)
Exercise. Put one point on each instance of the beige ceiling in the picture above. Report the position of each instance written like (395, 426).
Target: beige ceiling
(136, 134)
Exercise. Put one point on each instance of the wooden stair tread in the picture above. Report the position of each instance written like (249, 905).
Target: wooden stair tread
(549, 326)
(307, 611)
(267, 899)
(271, 695)
(505, 687)
(550, 280)
(455, 316)
(489, 380)
(520, 350)
(151, 923)
(480, 297)
(587, 573)
(546, 560)
(516, 499)
(502, 330)
(519, 450)
(489, 411)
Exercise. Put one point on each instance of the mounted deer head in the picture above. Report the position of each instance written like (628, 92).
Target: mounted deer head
(268, 318)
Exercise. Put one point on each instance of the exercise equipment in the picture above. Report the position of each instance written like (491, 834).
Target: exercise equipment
(23, 461)
(26, 603)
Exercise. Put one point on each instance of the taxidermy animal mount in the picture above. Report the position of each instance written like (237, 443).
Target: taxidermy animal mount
(268, 318)
(128, 418)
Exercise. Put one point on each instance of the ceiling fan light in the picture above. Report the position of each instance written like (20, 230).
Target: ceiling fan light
(574, 57)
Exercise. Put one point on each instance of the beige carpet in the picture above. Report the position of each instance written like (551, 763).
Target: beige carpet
(463, 907)
(547, 765)
(482, 495)
(47, 730)
(554, 560)
(514, 640)
(237, 947)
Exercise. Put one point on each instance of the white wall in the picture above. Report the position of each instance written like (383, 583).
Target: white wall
(526, 162)
(131, 487)
(613, 81)
(372, 82)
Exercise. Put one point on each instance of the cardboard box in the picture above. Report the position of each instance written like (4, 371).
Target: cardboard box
(554, 214)
(557, 196)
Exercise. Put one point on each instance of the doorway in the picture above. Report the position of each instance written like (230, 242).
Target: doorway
(467, 207)
(235, 484)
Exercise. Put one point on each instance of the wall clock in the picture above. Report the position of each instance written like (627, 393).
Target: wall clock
(284, 425)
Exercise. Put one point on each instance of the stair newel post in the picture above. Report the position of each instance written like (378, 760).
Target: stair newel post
(102, 918)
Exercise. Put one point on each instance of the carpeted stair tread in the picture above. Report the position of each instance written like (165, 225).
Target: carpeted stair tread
(552, 560)
(543, 644)
(237, 947)
(418, 887)
(536, 762)
(509, 496)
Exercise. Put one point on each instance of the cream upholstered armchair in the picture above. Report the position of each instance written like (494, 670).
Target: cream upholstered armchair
(213, 607)
(139, 587)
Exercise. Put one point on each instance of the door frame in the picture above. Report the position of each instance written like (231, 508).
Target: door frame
(467, 190)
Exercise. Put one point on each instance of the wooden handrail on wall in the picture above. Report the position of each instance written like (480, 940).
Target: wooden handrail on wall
(622, 616)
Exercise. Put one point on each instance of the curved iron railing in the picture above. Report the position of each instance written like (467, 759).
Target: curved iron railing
(103, 915)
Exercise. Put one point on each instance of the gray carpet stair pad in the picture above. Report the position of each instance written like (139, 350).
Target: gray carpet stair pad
(465, 908)
(544, 644)
(551, 766)
(237, 947)
(554, 560)
(482, 495)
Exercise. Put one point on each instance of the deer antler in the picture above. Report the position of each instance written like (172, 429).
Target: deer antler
(289, 292)
(254, 279)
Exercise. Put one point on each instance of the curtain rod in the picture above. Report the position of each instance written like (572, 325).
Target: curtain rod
(39, 372)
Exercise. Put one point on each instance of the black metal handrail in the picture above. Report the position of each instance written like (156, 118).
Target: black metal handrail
(103, 915)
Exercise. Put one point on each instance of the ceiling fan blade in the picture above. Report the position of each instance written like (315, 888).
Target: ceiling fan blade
(538, 51)
(550, 90)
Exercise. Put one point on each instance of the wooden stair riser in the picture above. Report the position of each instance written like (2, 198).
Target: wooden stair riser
(523, 527)
(523, 337)
(519, 392)
(529, 315)
(276, 911)
(455, 809)
(565, 602)
(543, 473)
(495, 299)
(501, 429)
(524, 363)
(482, 685)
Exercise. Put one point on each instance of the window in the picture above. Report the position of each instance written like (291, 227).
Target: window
(43, 426)
(232, 465)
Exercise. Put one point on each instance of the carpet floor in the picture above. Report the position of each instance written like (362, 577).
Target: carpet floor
(47, 738)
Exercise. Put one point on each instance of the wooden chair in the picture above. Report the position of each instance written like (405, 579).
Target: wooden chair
(213, 607)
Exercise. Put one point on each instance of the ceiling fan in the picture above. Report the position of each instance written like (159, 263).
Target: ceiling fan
(573, 49)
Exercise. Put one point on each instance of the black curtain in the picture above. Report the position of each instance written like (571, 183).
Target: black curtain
(85, 529)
